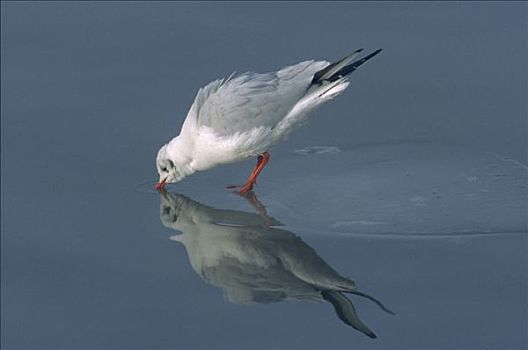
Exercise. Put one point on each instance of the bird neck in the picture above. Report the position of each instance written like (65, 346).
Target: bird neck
(180, 152)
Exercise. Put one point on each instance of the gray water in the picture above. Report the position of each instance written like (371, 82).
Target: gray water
(412, 185)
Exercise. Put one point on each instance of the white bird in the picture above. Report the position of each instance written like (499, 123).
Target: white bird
(241, 117)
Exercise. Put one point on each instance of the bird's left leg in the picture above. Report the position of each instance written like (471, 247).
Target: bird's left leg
(262, 160)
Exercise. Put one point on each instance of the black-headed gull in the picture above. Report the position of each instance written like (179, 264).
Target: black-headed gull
(242, 117)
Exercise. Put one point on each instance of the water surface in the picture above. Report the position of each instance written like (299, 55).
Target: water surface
(411, 186)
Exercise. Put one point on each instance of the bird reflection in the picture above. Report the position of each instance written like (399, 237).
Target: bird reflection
(254, 262)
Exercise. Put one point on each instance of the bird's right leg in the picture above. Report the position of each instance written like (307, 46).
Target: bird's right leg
(262, 160)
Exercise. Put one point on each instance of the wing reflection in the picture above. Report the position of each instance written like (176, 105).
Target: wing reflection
(254, 262)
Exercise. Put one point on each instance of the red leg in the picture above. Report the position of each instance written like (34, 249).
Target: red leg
(262, 160)
(259, 162)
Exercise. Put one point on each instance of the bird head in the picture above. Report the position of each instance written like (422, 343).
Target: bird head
(168, 169)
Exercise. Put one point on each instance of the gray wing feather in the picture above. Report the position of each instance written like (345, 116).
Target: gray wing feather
(253, 100)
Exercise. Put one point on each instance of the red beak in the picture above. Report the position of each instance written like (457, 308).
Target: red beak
(161, 185)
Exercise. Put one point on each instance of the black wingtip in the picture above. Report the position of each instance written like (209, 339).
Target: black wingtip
(359, 62)
(321, 76)
(369, 56)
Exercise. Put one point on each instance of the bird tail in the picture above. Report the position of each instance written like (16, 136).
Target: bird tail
(327, 83)
(341, 68)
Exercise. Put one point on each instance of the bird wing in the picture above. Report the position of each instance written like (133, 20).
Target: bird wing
(252, 100)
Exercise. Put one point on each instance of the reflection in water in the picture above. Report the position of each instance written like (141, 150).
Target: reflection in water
(253, 262)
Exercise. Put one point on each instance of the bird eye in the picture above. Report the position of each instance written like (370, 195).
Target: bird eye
(164, 169)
